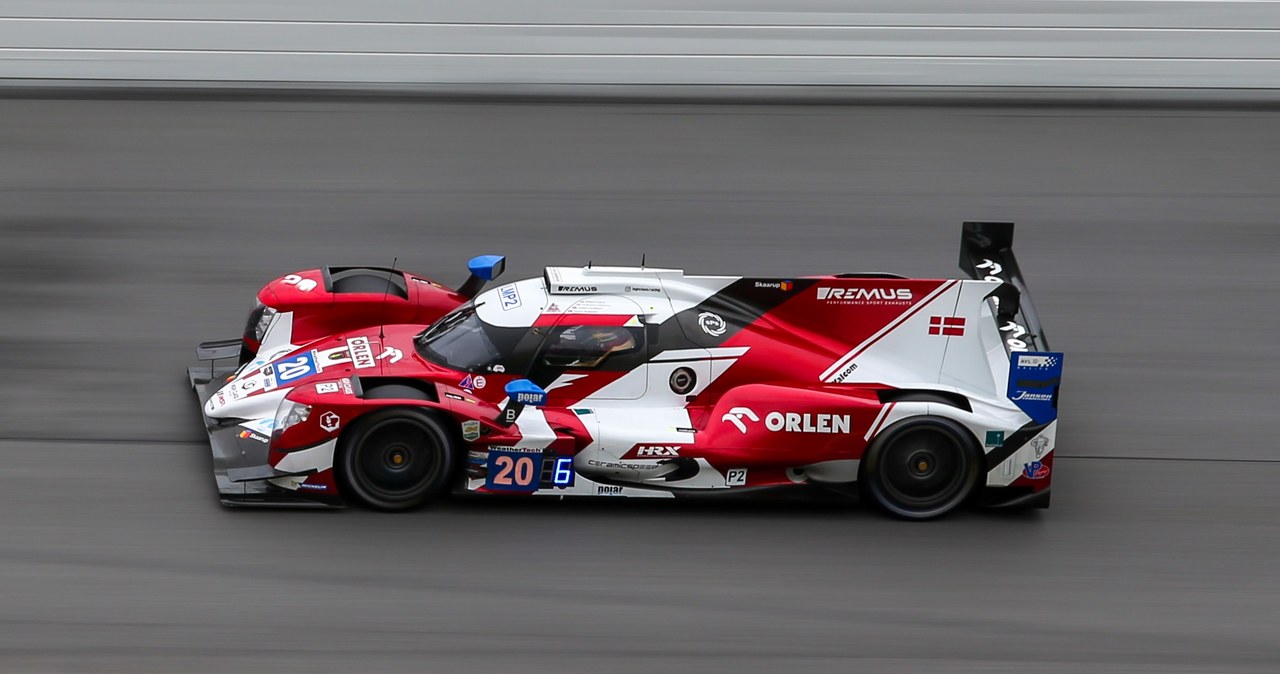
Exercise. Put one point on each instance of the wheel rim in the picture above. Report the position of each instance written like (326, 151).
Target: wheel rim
(398, 459)
(924, 468)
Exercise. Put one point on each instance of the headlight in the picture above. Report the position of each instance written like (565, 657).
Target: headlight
(290, 414)
(264, 321)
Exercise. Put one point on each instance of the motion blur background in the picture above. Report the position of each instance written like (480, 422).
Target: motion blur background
(160, 161)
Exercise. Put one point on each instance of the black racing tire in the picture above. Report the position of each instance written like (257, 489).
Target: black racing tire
(921, 468)
(396, 459)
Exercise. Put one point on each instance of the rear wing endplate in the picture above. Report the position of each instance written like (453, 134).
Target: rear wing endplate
(986, 253)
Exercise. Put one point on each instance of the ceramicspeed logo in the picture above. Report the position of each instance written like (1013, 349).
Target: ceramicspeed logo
(864, 295)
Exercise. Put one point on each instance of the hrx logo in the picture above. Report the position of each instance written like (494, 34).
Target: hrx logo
(653, 452)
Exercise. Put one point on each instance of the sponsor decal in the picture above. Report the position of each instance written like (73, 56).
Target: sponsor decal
(330, 421)
(608, 490)
(391, 352)
(864, 295)
(947, 326)
(1033, 384)
(1039, 443)
(1014, 341)
(776, 285)
(479, 381)
(791, 422)
(361, 352)
(653, 452)
(735, 477)
(497, 369)
(642, 289)
(510, 297)
(1035, 470)
(736, 415)
(844, 374)
(993, 269)
(316, 487)
(306, 285)
(551, 309)
(454, 396)
(531, 398)
(250, 435)
(1038, 361)
(994, 439)
(471, 430)
(327, 387)
(795, 422)
(576, 289)
(712, 324)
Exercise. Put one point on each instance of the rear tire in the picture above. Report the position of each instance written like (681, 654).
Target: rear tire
(922, 468)
(396, 459)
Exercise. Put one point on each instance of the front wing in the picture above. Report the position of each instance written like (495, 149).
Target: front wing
(240, 461)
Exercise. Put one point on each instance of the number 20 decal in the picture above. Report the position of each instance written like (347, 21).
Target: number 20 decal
(513, 471)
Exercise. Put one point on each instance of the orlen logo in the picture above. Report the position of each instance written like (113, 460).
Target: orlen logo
(653, 452)
(791, 422)
(864, 295)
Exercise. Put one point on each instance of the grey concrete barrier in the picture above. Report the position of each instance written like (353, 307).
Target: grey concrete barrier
(1161, 44)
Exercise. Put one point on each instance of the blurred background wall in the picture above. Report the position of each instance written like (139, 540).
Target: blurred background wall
(423, 43)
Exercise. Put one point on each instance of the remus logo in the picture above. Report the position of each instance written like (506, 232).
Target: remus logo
(864, 295)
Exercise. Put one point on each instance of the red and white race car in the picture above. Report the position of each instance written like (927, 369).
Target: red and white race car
(384, 388)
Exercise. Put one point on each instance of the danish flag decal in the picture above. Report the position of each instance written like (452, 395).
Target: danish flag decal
(948, 326)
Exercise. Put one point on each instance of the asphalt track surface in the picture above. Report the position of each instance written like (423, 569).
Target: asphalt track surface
(130, 230)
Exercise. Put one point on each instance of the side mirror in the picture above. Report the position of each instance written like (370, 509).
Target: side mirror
(520, 392)
(483, 268)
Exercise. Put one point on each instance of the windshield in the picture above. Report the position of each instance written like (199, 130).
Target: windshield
(462, 341)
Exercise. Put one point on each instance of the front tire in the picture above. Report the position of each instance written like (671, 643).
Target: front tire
(396, 459)
(922, 468)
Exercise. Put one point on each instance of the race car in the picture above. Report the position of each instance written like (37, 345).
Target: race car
(377, 387)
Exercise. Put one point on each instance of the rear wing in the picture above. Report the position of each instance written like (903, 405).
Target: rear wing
(986, 253)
